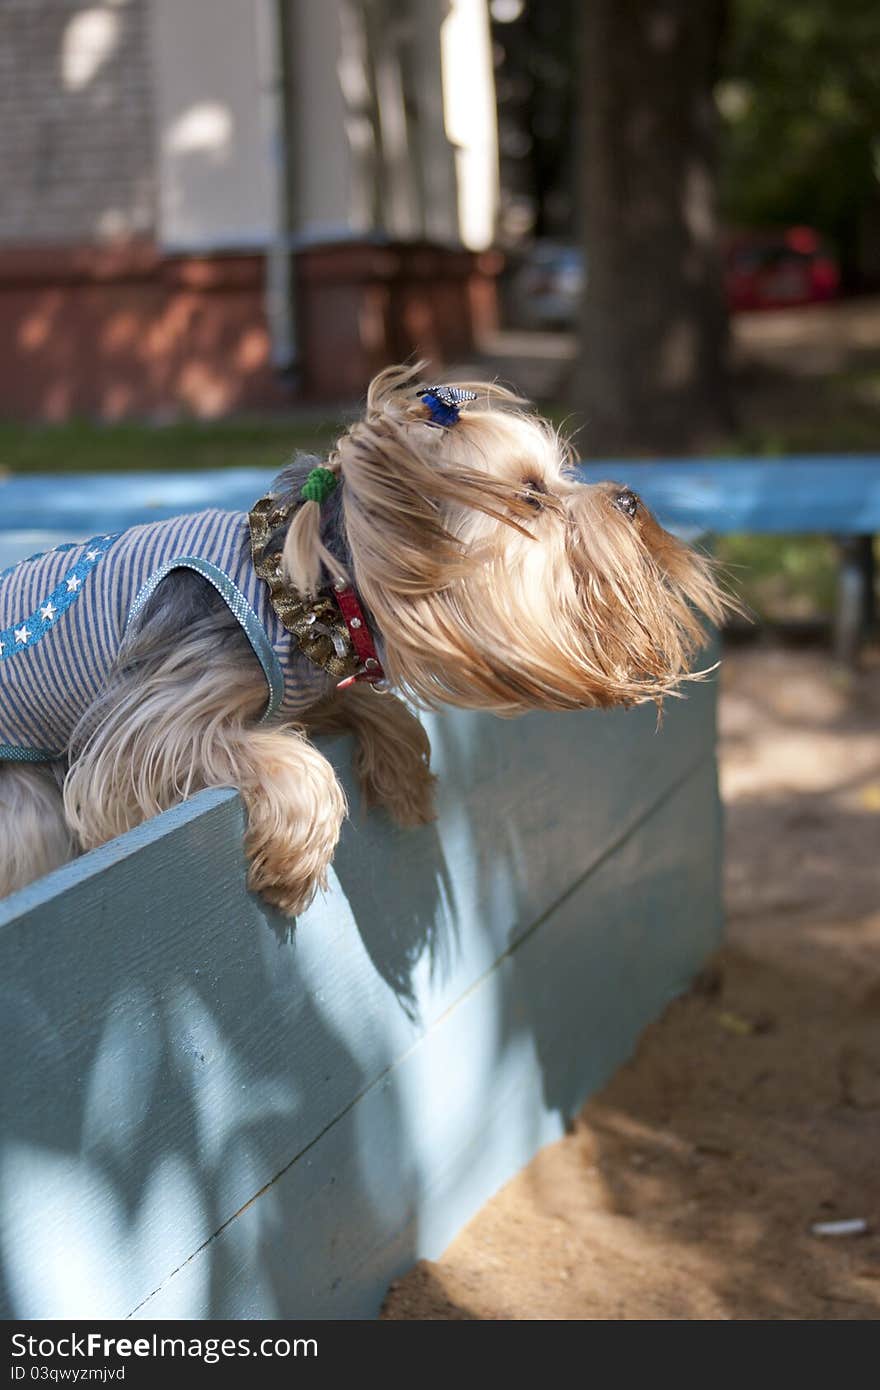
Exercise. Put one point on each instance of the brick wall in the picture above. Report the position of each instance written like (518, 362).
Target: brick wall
(76, 132)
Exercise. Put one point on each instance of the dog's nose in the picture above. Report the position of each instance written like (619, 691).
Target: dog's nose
(627, 501)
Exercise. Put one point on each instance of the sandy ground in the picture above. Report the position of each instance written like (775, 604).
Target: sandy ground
(751, 1110)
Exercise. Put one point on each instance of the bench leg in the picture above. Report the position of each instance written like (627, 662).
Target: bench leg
(855, 596)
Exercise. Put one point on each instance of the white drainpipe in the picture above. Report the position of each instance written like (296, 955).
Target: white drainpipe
(280, 313)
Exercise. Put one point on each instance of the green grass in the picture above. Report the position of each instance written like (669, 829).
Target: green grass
(781, 578)
(853, 434)
(80, 447)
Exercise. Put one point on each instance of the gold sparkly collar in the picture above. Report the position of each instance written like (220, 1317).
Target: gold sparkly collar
(317, 623)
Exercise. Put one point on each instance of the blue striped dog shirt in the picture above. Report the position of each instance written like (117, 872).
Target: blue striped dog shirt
(63, 616)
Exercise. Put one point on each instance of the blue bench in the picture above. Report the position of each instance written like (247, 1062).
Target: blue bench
(839, 495)
(835, 495)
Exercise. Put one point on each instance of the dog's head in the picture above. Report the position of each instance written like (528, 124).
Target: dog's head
(497, 579)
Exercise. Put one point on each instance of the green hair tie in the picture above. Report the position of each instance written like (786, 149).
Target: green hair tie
(319, 485)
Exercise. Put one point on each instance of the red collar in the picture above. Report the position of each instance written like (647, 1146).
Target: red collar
(361, 637)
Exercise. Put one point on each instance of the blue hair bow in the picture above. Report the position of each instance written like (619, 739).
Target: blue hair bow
(444, 401)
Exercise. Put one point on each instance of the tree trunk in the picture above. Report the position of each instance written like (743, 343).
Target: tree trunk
(652, 372)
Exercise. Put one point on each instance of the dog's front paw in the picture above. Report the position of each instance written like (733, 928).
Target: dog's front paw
(287, 869)
(290, 898)
(295, 808)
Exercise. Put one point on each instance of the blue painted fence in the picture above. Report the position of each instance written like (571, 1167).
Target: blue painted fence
(207, 1110)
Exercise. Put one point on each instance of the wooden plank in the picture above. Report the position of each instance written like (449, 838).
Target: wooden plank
(419, 1152)
(837, 494)
(828, 494)
(80, 503)
(171, 1045)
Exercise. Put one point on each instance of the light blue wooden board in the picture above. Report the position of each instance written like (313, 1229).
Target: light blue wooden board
(826, 493)
(401, 1171)
(832, 494)
(154, 1013)
(86, 503)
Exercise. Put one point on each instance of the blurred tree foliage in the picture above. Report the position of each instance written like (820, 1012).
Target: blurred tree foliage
(800, 103)
(780, 578)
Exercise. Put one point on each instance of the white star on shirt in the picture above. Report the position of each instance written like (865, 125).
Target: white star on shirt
(92, 554)
(21, 635)
(48, 612)
(73, 584)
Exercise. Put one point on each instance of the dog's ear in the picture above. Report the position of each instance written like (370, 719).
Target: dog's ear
(307, 561)
(409, 483)
(405, 501)
(410, 486)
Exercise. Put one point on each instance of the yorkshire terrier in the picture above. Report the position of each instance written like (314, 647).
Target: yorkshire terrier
(445, 550)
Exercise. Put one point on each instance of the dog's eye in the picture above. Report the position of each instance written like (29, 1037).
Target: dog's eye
(627, 502)
(534, 490)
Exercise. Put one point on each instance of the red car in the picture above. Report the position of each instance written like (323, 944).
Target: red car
(773, 270)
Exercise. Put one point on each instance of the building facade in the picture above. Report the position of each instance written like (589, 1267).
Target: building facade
(212, 205)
